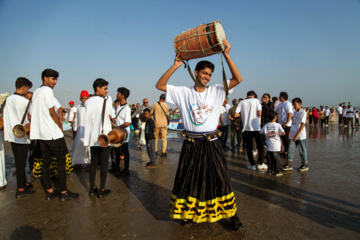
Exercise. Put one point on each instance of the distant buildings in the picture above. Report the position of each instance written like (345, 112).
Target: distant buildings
(3, 96)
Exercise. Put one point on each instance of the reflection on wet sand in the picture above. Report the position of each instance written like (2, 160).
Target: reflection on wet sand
(323, 203)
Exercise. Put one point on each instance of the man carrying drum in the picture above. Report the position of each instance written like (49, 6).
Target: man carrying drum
(202, 189)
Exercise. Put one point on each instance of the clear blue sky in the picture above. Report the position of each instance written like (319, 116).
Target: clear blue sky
(309, 48)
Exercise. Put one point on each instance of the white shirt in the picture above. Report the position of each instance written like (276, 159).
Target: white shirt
(349, 113)
(200, 111)
(93, 120)
(72, 113)
(80, 115)
(283, 109)
(340, 110)
(248, 110)
(43, 126)
(225, 114)
(15, 108)
(298, 118)
(272, 132)
(123, 117)
(327, 112)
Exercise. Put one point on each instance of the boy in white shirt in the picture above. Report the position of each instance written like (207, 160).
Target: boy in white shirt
(98, 121)
(272, 131)
(72, 118)
(297, 137)
(47, 129)
(123, 120)
(249, 110)
(15, 112)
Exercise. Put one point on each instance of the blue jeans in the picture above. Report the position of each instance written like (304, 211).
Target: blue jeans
(150, 146)
(302, 150)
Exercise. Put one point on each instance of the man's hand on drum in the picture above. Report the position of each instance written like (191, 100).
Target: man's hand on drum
(177, 61)
(227, 47)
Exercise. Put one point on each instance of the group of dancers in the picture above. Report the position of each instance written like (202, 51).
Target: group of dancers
(202, 189)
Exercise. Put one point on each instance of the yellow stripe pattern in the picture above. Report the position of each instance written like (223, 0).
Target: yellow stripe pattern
(37, 167)
(207, 211)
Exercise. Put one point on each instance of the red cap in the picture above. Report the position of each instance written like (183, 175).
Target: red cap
(84, 93)
(71, 102)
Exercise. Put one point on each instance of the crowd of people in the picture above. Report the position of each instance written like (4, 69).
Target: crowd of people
(202, 188)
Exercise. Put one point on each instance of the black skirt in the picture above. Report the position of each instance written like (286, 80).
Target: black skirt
(202, 189)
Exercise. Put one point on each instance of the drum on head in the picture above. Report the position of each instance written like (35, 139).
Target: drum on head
(204, 40)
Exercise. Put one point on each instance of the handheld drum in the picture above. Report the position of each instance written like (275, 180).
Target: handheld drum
(204, 40)
(116, 136)
(19, 130)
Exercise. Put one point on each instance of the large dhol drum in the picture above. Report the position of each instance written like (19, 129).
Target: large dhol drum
(116, 136)
(204, 40)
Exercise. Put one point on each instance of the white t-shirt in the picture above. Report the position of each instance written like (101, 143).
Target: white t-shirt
(298, 118)
(327, 112)
(43, 126)
(93, 120)
(344, 112)
(283, 109)
(349, 112)
(15, 108)
(123, 117)
(225, 114)
(200, 111)
(72, 113)
(272, 132)
(248, 110)
(57, 106)
(340, 110)
(80, 115)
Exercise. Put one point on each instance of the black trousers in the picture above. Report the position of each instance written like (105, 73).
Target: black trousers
(49, 149)
(124, 149)
(340, 118)
(248, 139)
(273, 162)
(99, 154)
(20, 153)
(236, 134)
(286, 139)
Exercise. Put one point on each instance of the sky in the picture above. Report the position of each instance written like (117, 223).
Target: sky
(308, 48)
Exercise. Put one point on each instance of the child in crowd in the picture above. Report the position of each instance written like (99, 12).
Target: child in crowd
(150, 139)
(273, 131)
(142, 140)
(297, 137)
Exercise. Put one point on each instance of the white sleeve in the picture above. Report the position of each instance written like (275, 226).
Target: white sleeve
(49, 99)
(127, 115)
(173, 94)
(238, 108)
(303, 117)
(289, 108)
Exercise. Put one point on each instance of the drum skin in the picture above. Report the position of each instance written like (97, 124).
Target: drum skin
(204, 40)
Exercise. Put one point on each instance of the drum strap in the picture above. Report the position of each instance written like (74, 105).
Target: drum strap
(200, 85)
(26, 110)
(103, 116)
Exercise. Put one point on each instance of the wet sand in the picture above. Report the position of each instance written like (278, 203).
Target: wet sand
(323, 203)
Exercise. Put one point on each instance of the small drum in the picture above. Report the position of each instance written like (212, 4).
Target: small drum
(116, 136)
(204, 40)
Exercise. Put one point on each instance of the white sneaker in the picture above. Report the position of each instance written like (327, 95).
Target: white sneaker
(251, 167)
(262, 166)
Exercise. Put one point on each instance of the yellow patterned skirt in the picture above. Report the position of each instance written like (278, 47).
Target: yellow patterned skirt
(202, 188)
